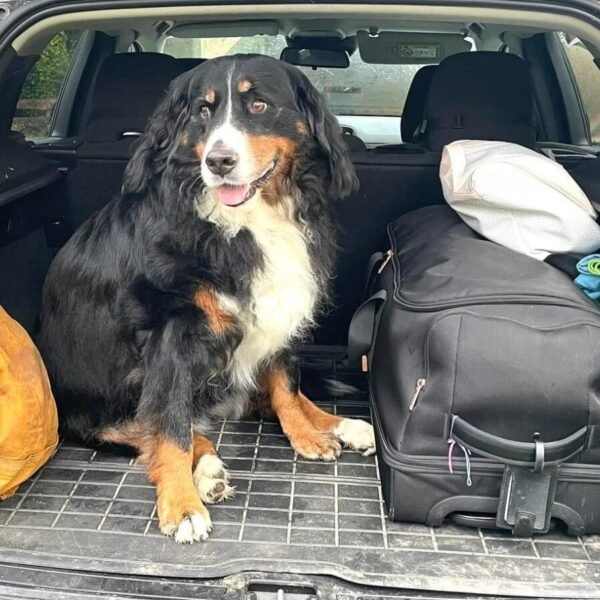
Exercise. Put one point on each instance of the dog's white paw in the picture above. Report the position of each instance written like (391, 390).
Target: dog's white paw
(194, 528)
(356, 434)
(212, 480)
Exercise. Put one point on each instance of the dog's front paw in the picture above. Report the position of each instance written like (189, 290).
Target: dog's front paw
(186, 522)
(356, 434)
(212, 480)
(314, 445)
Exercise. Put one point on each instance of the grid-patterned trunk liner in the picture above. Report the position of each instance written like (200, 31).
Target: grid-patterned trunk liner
(94, 510)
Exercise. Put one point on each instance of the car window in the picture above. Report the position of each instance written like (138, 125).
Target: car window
(361, 89)
(34, 116)
(587, 76)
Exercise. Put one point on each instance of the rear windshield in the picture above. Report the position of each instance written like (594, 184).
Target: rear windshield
(361, 89)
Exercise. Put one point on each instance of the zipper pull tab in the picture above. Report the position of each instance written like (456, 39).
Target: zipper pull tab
(386, 260)
(415, 397)
(364, 363)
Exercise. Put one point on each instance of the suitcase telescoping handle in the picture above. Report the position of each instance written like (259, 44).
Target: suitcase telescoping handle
(361, 333)
(530, 473)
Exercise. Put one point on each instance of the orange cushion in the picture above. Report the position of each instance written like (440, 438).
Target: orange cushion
(28, 418)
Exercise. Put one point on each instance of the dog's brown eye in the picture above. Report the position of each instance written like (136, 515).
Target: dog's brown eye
(205, 112)
(258, 106)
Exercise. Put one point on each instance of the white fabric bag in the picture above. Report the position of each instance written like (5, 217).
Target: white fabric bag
(518, 198)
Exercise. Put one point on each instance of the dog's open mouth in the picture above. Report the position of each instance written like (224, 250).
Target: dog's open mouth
(236, 195)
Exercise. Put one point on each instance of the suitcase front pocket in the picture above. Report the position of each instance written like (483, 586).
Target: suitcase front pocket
(515, 380)
(504, 376)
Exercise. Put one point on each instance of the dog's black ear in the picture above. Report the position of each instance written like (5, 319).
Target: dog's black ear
(327, 132)
(158, 142)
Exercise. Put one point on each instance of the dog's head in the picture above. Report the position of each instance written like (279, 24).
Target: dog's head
(240, 124)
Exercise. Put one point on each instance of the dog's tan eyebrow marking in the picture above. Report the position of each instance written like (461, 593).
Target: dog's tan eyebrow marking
(210, 96)
(244, 85)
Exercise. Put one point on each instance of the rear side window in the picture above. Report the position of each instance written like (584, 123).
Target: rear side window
(587, 77)
(35, 113)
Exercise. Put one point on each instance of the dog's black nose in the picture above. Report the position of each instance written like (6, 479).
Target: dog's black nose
(221, 160)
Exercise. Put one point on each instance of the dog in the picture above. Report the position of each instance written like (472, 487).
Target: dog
(184, 298)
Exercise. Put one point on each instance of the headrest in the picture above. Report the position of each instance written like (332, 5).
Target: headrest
(127, 90)
(414, 105)
(480, 96)
(187, 64)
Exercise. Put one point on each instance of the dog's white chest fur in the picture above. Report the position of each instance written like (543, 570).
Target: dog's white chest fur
(284, 293)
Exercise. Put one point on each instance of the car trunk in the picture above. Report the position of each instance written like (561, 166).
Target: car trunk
(85, 525)
(92, 509)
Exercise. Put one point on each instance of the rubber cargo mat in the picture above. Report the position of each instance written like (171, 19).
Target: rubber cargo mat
(94, 511)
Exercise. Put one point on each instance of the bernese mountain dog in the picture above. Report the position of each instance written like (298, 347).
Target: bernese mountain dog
(183, 299)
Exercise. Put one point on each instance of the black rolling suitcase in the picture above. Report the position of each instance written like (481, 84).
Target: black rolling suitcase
(484, 370)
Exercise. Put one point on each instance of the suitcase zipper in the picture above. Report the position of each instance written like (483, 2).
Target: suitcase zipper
(415, 397)
(386, 260)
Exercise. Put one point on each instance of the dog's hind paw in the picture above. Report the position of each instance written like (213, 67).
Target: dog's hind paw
(212, 480)
(356, 434)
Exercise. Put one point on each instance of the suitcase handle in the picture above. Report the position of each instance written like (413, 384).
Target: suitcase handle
(535, 455)
(361, 332)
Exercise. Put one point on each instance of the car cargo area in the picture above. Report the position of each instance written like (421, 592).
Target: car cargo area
(85, 525)
(93, 509)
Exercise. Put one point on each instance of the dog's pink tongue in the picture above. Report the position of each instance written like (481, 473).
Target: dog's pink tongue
(232, 195)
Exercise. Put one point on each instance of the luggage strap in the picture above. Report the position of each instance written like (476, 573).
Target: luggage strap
(361, 333)
(530, 473)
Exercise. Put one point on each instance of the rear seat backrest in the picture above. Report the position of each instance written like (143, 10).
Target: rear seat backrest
(414, 105)
(187, 64)
(127, 90)
(412, 114)
(481, 96)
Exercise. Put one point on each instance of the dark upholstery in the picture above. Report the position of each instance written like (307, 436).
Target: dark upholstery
(587, 175)
(187, 64)
(414, 106)
(480, 95)
(127, 89)
(354, 143)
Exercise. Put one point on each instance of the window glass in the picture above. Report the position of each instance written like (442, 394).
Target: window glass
(361, 89)
(34, 116)
(587, 76)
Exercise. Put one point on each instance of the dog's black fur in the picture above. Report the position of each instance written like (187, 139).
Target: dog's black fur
(121, 336)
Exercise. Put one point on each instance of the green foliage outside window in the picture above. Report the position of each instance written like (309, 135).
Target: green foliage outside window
(40, 92)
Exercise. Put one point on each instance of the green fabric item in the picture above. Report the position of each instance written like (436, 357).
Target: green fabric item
(594, 266)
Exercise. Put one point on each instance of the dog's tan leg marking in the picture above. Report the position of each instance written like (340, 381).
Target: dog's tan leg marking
(305, 438)
(353, 433)
(181, 513)
(210, 476)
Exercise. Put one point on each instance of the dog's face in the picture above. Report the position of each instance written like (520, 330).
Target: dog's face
(243, 122)
(246, 127)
